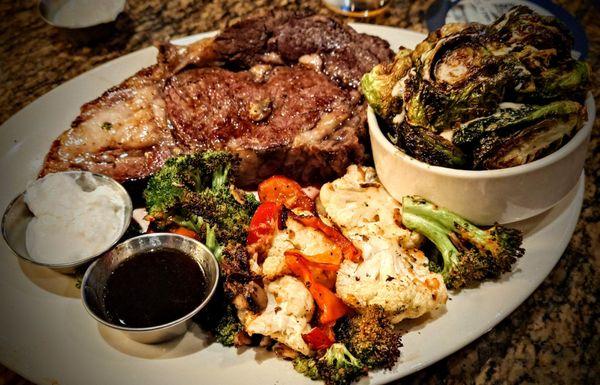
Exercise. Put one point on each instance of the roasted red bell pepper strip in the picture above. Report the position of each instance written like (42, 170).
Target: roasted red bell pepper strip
(318, 338)
(286, 192)
(264, 222)
(185, 232)
(329, 260)
(349, 251)
(330, 305)
(325, 277)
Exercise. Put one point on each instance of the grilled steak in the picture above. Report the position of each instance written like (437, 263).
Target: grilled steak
(285, 118)
(123, 134)
(279, 90)
(285, 37)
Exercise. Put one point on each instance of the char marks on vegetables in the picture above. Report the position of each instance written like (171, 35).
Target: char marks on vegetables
(464, 75)
(467, 254)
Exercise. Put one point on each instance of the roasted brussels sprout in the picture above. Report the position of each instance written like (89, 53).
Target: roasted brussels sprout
(382, 87)
(566, 81)
(521, 27)
(517, 134)
(430, 147)
(459, 79)
(455, 77)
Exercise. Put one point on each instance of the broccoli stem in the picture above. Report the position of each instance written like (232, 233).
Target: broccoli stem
(220, 178)
(212, 243)
(447, 222)
(195, 223)
(417, 219)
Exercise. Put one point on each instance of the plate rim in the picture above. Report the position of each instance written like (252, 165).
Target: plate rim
(380, 376)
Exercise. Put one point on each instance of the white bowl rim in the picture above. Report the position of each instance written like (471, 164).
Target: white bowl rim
(580, 137)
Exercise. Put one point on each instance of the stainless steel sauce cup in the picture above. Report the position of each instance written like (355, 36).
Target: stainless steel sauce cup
(17, 216)
(93, 287)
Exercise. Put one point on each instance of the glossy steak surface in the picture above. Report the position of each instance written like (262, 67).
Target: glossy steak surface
(279, 90)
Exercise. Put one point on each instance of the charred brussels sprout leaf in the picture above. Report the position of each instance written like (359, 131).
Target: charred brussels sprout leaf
(430, 147)
(381, 86)
(520, 26)
(568, 81)
(518, 134)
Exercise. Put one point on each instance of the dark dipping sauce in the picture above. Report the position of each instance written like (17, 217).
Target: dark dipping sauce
(154, 288)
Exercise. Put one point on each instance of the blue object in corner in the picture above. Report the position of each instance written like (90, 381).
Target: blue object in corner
(485, 11)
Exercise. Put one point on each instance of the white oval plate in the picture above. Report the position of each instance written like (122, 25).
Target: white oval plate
(46, 335)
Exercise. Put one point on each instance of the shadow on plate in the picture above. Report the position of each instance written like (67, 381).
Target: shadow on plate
(416, 324)
(534, 224)
(191, 342)
(51, 281)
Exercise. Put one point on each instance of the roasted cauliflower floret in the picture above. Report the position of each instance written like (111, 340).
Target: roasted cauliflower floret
(361, 208)
(393, 274)
(396, 279)
(289, 310)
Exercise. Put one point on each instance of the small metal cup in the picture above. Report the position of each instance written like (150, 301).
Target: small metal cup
(17, 216)
(93, 286)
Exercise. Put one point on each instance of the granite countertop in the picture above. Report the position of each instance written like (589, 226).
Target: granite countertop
(553, 338)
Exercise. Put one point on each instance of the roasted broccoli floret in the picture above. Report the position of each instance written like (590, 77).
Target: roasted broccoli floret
(370, 337)
(221, 320)
(339, 367)
(468, 254)
(196, 191)
(307, 366)
(220, 209)
(186, 173)
(336, 367)
(227, 327)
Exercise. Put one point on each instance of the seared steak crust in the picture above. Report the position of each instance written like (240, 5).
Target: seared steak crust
(286, 36)
(284, 118)
(278, 90)
(215, 108)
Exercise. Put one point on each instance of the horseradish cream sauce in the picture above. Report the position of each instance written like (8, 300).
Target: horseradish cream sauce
(74, 219)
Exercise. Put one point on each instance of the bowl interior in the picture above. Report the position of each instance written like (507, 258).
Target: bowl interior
(17, 216)
(94, 287)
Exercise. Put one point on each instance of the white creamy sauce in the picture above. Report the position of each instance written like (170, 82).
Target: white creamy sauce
(451, 73)
(71, 224)
(85, 13)
(510, 106)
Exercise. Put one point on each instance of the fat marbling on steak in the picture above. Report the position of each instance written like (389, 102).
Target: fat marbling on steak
(279, 90)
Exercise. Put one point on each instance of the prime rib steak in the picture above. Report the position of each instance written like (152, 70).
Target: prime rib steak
(279, 90)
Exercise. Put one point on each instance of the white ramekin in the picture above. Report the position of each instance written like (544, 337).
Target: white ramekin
(488, 196)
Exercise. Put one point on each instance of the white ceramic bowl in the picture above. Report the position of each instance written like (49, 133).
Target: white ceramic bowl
(488, 196)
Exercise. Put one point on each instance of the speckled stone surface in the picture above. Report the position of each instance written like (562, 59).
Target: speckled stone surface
(553, 338)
